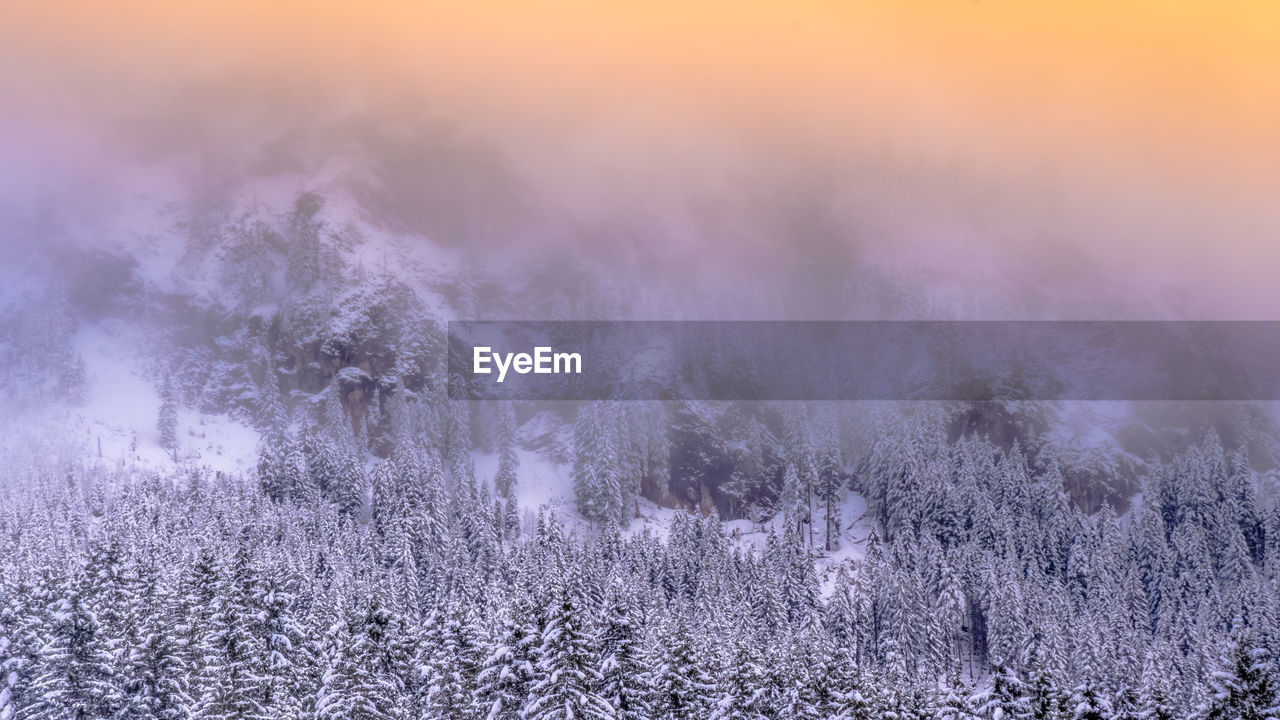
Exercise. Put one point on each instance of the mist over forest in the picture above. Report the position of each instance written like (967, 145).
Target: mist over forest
(233, 483)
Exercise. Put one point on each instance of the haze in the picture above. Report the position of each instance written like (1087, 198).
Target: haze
(1049, 154)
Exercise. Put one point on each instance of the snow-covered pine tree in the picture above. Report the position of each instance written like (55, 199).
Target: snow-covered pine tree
(1088, 702)
(742, 686)
(1006, 699)
(167, 421)
(272, 477)
(631, 440)
(504, 681)
(113, 596)
(272, 417)
(791, 502)
(595, 478)
(458, 460)
(158, 664)
(282, 638)
(322, 461)
(24, 624)
(297, 474)
(454, 660)
(830, 477)
(798, 446)
(350, 689)
(75, 675)
(1045, 700)
(1155, 696)
(684, 688)
(799, 695)
(233, 656)
(351, 483)
(567, 676)
(624, 681)
(1244, 686)
(950, 613)
(508, 460)
(954, 702)
(197, 594)
(870, 700)
(8, 710)
(510, 519)
(384, 494)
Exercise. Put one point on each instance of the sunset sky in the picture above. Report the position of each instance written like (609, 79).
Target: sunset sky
(1143, 134)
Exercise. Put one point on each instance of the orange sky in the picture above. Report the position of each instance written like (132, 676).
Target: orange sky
(1127, 71)
(1159, 119)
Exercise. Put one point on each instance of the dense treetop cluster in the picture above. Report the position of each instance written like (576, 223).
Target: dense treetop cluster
(326, 589)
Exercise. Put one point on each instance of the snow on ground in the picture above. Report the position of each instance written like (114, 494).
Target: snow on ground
(117, 421)
(853, 536)
(218, 443)
(754, 537)
(545, 483)
(541, 481)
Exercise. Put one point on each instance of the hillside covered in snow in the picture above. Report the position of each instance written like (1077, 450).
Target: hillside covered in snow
(234, 484)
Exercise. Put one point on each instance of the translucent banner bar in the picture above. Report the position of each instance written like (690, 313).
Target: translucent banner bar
(768, 360)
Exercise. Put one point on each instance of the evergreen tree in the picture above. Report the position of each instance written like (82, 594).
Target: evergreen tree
(1045, 700)
(798, 442)
(282, 638)
(272, 476)
(232, 652)
(1007, 698)
(8, 677)
(954, 702)
(595, 477)
(743, 686)
(351, 483)
(167, 422)
(511, 519)
(685, 690)
(504, 681)
(1156, 697)
(624, 681)
(459, 462)
(158, 665)
(508, 461)
(1088, 703)
(352, 687)
(25, 631)
(830, 482)
(791, 502)
(75, 679)
(1244, 688)
(454, 663)
(564, 690)
(271, 413)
